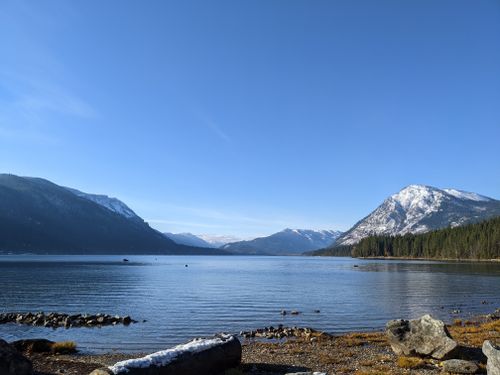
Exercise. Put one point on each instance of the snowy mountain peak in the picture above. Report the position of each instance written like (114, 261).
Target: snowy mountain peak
(466, 195)
(112, 204)
(421, 208)
(417, 195)
(287, 242)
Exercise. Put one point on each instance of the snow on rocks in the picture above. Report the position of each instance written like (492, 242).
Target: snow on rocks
(200, 356)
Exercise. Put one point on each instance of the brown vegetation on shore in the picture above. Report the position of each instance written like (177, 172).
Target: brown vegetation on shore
(353, 353)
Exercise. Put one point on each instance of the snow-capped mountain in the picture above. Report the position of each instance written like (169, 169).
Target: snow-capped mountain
(188, 239)
(286, 242)
(112, 204)
(201, 240)
(420, 208)
(218, 240)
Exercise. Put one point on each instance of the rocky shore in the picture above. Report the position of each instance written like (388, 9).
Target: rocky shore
(422, 346)
(58, 320)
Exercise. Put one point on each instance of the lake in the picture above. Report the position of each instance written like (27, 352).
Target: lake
(234, 293)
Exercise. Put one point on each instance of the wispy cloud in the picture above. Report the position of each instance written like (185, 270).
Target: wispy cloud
(214, 127)
(35, 85)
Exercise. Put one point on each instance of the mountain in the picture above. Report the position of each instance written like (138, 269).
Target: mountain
(112, 204)
(218, 240)
(286, 242)
(38, 216)
(188, 239)
(419, 209)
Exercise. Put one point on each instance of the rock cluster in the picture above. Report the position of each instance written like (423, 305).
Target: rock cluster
(428, 337)
(281, 332)
(55, 320)
(495, 315)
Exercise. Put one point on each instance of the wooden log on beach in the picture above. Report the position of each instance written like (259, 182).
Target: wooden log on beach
(209, 356)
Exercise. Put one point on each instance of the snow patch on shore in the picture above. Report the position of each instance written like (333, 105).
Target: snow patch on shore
(165, 357)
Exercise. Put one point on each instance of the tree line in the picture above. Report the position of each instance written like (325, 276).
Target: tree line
(474, 241)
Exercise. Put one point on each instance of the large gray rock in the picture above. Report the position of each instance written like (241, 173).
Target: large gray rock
(421, 337)
(459, 366)
(200, 356)
(12, 362)
(493, 354)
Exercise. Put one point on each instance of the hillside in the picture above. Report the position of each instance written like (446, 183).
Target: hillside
(38, 216)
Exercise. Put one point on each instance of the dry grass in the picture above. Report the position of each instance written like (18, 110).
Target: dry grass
(360, 339)
(64, 347)
(410, 362)
(373, 372)
(475, 333)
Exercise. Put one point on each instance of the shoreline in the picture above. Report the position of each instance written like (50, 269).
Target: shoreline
(359, 353)
(415, 259)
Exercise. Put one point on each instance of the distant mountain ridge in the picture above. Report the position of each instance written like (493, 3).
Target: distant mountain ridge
(188, 239)
(201, 240)
(419, 209)
(38, 216)
(286, 242)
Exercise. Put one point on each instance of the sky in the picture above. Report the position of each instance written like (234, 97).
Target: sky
(246, 117)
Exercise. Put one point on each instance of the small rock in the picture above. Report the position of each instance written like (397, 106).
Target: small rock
(493, 354)
(459, 366)
(102, 371)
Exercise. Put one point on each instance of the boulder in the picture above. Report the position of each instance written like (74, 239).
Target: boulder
(33, 345)
(459, 366)
(420, 337)
(12, 362)
(493, 354)
(200, 356)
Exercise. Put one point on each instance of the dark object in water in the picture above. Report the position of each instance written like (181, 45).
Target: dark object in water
(125, 259)
(186, 265)
(355, 265)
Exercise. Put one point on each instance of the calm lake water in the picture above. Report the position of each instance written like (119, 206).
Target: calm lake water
(231, 294)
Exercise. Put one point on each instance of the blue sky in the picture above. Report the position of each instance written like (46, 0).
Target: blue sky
(246, 117)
